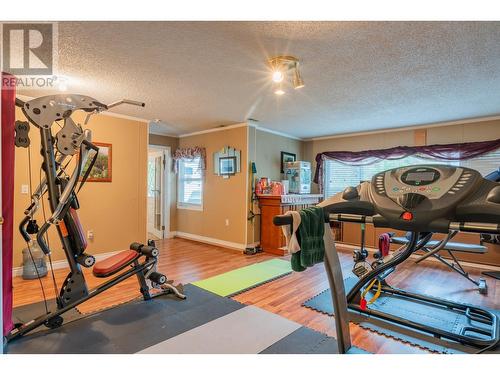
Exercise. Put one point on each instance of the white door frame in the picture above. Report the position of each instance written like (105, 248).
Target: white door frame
(165, 216)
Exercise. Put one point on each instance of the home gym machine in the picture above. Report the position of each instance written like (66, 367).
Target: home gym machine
(62, 186)
(420, 199)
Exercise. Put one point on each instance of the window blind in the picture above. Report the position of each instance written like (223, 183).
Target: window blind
(190, 191)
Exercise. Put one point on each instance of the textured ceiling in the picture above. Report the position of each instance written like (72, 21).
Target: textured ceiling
(359, 76)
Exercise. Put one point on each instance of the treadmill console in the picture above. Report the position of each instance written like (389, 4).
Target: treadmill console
(433, 182)
(413, 197)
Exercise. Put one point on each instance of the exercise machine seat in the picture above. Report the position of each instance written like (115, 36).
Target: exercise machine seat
(114, 263)
(452, 246)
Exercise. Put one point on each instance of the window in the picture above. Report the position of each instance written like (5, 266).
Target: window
(484, 164)
(339, 175)
(190, 188)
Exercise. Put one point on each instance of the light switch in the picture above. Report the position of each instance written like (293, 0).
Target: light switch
(24, 189)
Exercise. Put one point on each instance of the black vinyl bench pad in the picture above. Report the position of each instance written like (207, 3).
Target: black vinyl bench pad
(452, 246)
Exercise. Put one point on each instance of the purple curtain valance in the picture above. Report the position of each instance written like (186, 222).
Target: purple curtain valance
(190, 153)
(455, 151)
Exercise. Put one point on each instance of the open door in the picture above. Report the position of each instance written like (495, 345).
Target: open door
(157, 193)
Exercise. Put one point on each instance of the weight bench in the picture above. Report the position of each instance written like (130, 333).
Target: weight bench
(432, 249)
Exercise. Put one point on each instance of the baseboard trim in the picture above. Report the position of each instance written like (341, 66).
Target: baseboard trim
(170, 235)
(211, 241)
(63, 263)
(430, 259)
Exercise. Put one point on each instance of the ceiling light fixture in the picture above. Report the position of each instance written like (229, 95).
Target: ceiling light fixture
(280, 67)
(298, 82)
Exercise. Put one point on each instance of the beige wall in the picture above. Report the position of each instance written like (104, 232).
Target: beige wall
(173, 143)
(471, 132)
(265, 149)
(115, 211)
(268, 153)
(222, 198)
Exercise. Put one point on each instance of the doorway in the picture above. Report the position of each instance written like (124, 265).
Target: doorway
(158, 206)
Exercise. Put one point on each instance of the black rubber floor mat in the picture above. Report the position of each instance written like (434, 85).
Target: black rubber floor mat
(307, 341)
(494, 274)
(427, 314)
(304, 341)
(25, 313)
(130, 327)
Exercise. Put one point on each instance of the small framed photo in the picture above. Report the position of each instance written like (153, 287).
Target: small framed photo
(101, 171)
(227, 166)
(287, 157)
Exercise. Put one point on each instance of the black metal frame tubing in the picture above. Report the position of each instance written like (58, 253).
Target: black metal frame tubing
(21, 331)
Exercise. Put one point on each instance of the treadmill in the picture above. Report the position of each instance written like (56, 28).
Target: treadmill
(420, 199)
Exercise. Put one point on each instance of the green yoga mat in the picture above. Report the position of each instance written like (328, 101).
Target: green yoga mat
(233, 282)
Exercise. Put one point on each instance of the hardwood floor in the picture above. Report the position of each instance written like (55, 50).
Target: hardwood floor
(187, 261)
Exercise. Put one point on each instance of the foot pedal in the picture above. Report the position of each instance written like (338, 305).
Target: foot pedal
(359, 270)
(169, 288)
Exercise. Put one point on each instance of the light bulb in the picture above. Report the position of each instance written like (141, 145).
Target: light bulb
(277, 76)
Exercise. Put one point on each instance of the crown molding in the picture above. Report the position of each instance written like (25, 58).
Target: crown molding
(161, 134)
(218, 129)
(275, 132)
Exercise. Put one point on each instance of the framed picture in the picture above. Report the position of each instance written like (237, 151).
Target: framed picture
(102, 169)
(227, 165)
(287, 157)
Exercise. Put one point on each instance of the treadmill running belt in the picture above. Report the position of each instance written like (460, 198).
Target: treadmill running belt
(423, 313)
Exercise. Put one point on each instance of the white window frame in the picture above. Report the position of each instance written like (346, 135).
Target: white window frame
(180, 181)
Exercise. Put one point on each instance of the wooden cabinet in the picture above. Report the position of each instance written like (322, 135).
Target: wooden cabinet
(271, 237)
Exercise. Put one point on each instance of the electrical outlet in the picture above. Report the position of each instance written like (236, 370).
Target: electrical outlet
(227, 222)
(24, 189)
(90, 234)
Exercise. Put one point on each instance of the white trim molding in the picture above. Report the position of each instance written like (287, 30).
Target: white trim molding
(218, 129)
(161, 134)
(275, 132)
(211, 241)
(240, 125)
